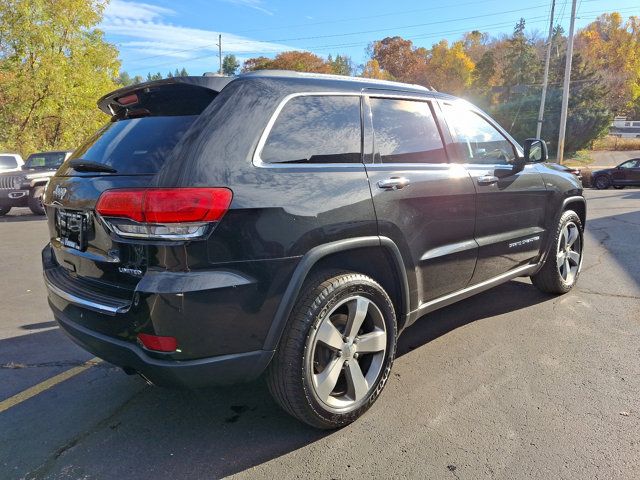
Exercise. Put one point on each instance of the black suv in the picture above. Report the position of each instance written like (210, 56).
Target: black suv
(293, 224)
(26, 188)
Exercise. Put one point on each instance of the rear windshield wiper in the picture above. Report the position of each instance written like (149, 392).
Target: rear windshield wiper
(81, 165)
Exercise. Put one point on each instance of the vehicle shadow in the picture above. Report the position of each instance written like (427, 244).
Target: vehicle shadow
(208, 433)
(21, 215)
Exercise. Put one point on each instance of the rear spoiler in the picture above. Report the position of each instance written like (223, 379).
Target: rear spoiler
(109, 103)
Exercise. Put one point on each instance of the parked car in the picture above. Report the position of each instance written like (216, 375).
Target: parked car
(10, 162)
(293, 225)
(626, 174)
(564, 168)
(24, 187)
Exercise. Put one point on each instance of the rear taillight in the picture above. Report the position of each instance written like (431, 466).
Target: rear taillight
(163, 213)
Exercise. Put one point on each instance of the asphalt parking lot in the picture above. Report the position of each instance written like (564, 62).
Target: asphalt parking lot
(509, 384)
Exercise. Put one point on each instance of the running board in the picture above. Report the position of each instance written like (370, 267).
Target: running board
(446, 300)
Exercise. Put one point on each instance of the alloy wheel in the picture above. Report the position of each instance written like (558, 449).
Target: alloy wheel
(569, 253)
(346, 354)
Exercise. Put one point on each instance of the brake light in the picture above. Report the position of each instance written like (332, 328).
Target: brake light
(169, 213)
(157, 343)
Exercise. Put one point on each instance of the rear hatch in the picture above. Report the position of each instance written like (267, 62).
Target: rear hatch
(147, 125)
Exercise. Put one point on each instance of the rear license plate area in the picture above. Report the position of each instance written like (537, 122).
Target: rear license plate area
(72, 228)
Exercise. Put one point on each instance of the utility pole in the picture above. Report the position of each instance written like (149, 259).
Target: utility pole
(545, 81)
(565, 87)
(220, 52)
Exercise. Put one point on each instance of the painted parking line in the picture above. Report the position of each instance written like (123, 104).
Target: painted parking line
(46, 385)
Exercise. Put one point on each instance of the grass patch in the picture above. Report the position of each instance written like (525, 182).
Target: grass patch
(581, 158)
(609, 142)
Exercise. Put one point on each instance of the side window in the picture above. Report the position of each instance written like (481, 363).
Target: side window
(480, 141)
(316, 129)
(629, 164)
(406, 132)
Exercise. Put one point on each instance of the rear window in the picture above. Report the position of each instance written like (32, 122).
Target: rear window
(143, 134)
(316, 129)
(8, 161)
(45, 160)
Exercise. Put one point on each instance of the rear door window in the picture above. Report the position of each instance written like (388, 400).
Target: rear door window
(316, 129)
(405, 131)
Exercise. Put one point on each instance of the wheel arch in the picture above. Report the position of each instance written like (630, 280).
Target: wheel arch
(578, 204)
(374, 256)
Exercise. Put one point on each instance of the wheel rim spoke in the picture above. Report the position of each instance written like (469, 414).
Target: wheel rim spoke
(358, 386)
(560, 257)
(326, 380)
(358, 309)
(329, 335)
(371, 342)
(574, 257)
(573, 236)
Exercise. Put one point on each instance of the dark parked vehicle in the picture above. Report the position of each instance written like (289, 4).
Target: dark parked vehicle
(25, 188)
(293, 224)
(564, 168)
(627, 174)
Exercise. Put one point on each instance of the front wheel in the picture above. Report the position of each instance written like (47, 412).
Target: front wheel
(4, 211)
(602, 182)
(35, 201)
(336, 353)
(562, 266)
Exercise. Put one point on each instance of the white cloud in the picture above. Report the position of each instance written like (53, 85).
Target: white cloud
(255, 4)
(119, 9)
(142, 29)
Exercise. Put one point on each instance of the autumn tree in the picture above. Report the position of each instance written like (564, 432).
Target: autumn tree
(612, 46)
(372, 70)
(399, 58)
(256, 63)
(448, 68)
(54, 65)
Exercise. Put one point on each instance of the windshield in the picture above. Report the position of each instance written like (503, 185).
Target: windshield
(8, 161)
(134, 146)
(45, 160)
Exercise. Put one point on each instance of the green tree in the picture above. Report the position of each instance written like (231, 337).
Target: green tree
(230, 65)
(54, 64)
(522, 63)
(341, 65)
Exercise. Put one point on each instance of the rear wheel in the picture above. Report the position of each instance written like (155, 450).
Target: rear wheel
(4, 210)
(35, 201)
(562, 266)
(602, 182)
(336, 353)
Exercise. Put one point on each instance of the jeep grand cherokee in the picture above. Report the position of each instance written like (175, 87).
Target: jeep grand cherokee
(294, 225)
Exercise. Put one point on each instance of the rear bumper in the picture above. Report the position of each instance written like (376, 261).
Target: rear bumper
(219, 370)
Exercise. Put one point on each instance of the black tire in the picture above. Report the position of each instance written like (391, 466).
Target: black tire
(602, 182)
(4, 211)
(618, 187)
(288, 376)
(35, 201)
(550, 278)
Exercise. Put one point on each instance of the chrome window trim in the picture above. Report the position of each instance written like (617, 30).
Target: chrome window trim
(257, 159)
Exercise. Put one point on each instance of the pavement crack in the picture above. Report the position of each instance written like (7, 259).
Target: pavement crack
(606, 294)
(45, 468)
(73, 363)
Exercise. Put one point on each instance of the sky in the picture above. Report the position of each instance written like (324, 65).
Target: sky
(162, 35)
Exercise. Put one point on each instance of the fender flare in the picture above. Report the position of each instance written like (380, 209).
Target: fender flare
(307, 262)
(556, 219)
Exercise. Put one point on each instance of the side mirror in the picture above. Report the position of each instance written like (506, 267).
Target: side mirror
(535, 150)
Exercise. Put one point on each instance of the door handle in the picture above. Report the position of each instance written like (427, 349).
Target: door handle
(487, 180)
(393, 183)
